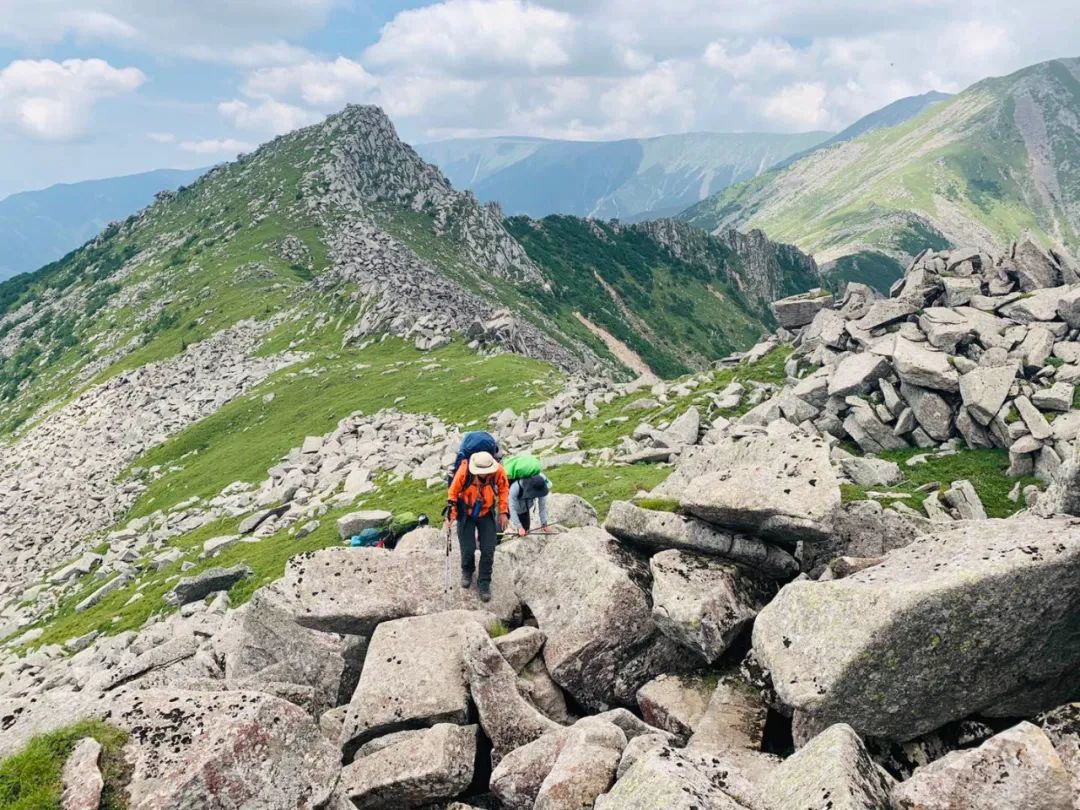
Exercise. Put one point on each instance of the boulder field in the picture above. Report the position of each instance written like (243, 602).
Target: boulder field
(743, 637)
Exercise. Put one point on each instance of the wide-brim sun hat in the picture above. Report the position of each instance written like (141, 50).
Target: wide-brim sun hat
(482, 464)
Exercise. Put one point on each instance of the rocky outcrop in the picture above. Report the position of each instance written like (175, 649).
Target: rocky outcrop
(779, 486)
(413, 769)
(1017, 768)
(949, 625)
(239, 748)
(833, 770)
(654, 531)
(704, 604)
(602, 641)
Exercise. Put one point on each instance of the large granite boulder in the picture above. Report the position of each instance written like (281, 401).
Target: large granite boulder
(413, 675)
(223, 749)
(862, 529)
(272, 647)
(961, 620)
(798, 310)
(590, 598)
(780, 485)
(674, 780)
(832, 772)
(652, 531)
(563, 769)
(1062, 726)
(352, 590)
(415, 769)
(703, 603)
(674, 703)
(508, 719)
(1016, 768)
(570, 511)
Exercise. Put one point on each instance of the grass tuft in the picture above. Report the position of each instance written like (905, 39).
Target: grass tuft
(31, 778)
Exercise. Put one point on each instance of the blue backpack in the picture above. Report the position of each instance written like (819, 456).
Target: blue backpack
(479, 441)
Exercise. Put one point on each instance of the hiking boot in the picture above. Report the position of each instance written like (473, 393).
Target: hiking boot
(485, 593)
(466, 580)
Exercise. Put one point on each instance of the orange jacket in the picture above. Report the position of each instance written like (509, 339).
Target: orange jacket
(466, 488)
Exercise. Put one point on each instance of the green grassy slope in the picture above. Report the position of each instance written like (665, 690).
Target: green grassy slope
(682, 313)
(981, 168)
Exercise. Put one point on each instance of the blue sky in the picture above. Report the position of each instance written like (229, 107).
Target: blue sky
(96, 88)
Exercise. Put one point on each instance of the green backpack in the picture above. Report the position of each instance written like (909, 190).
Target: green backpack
(521, 466)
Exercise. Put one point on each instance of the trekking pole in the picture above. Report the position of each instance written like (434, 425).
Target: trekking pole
(448, 574)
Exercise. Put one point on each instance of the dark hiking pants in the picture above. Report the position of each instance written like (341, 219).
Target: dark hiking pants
(469, 531)
(523, 519)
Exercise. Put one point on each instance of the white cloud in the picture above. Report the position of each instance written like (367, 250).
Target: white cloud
(161, 137)
(799, 105)
(240, 32)
(269, 116)
(469, 37)
(217, 146)
(49, 100)
(283, 98)
(321, 85)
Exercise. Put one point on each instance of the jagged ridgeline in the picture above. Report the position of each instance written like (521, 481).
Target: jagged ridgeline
(979, 169)
(341, 229)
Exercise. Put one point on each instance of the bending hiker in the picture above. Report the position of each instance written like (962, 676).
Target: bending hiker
(527, 487)
(478, 499)
(525, 492)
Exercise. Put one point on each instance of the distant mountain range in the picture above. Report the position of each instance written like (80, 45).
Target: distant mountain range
(984, 167)
(629, 180)
(38, 227)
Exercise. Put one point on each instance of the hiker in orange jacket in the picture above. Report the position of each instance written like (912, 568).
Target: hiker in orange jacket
(479, 500)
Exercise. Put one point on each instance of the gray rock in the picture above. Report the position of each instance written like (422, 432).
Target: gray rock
(703, 604)
(1039, 306)
(1062, 726)
(1058, 397)
(871, 472)
(931, 411)
(520, 646)
(674, 780)
(412, 676)
(81, 778)
(537, 686)
(1016, 768)
(256, 750)
(602, 643)
(685, 427)
(874, 436)
(833, 771)
(656, 531)
(571, 511)
(433, 765)
(734, 719)
(271, 646)
(778, 487)
(798, 310)
(985, 389)
(321, 589)
(1034, 420)
(507, 718)
(355, 522)
(674, 703)
(1036, 347)
(585, 766)
(212, 580)
(962, 497)
(885, 312)
(1062, 497)
(564, 768)
(917, 365)
(948, 625)
(858, 374)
